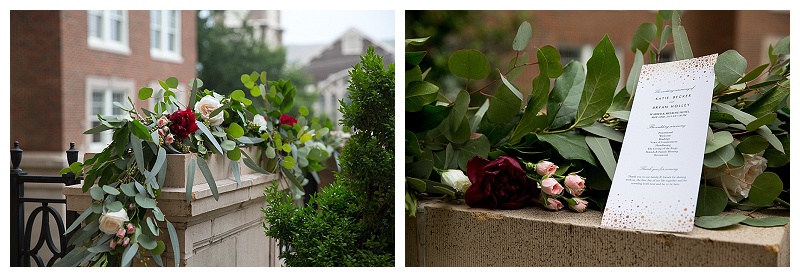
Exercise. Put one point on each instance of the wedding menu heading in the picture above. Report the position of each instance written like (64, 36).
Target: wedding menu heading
(657, 179)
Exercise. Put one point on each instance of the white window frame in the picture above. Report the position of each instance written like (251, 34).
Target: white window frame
(104, 42)
(108, 84)
(161, 52)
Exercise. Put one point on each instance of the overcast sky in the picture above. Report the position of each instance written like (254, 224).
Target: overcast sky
(322, 27)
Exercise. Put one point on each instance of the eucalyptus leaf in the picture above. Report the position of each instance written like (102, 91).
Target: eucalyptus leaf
(719, 157)
(765, 189)
(235, 130)
(753, 145)
(190, 171)
(761, 121)
(114, 206)
(730, 67)
(429, 117)
(419, 94)
(719, 221)
(711, 201)
(633, 76)
(147, 242)
(549, 61)
(537, 100)
(228, 145)
(718, 140)
(127, 255)
(145, 93)
(152, 227)
(448, 156)
(203, 165)
(770, 101)
(766, 222)
(782, 47)
(470, 64)
(173, 238)
(78, 221)
(771, 138)
(602, 76)
(202, 127)
(753, 74)
(145, 202)
(459, 109)
(523, 36)
(680, 39)
(236, 173)
(643, 36)
(97, 193)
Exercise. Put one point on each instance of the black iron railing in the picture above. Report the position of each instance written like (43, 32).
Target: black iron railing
(24, 248)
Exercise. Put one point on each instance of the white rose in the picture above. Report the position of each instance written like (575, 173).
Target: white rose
(261, 122)
(456, 179)
(736, 181)
(206, 106)
(110, 221)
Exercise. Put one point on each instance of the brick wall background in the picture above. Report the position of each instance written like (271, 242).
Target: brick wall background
(51, 60)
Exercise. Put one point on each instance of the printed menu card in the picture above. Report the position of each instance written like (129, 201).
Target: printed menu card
(657, 179)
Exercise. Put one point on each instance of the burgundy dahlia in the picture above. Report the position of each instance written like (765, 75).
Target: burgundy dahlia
(183, 123)
(287, 120)
(501, 183)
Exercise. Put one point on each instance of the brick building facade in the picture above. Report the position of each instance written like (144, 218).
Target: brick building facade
(576, 33)
(67, 66)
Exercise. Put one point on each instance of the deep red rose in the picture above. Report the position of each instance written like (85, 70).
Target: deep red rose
(288, 120)
(183, 123)
(501, 183)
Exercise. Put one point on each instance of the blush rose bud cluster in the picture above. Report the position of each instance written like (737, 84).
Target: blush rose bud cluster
(553, 195)
(113, 223)
(163, 130)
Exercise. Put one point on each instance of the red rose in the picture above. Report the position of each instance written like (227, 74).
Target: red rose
(501, 183)
(288, 120)
(183, 123)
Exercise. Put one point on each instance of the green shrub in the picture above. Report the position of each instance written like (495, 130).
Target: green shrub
(351, 222)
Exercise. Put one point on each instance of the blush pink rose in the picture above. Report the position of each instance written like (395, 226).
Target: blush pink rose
(579, 206)
(575, 184)
(551, 187)
(553, 204)
(546, 168)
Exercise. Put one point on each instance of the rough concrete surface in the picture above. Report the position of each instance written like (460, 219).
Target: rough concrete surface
(444, 234)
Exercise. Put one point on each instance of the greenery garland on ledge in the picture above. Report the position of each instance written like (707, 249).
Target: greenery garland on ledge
(566, 139)
(125, 179)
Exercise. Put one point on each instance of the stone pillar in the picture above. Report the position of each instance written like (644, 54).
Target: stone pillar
(228, 232)
(444, 234)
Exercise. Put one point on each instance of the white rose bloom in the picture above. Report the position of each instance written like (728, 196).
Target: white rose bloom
(261, 122)
(456, 179)
(737, 181)
(206, 106)
(110, 221)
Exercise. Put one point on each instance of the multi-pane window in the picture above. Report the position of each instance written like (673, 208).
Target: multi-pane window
(108, 31)
(165, 35)
(103, 104)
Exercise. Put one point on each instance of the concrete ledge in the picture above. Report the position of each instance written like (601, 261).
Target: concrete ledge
(445, 234)
(224, 232)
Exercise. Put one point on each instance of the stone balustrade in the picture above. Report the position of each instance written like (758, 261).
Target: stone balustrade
(228, 232)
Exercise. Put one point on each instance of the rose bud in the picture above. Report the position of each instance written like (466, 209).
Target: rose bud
(131, 207)
(456, 179)
(169, 139)
(579, 204)
(552, 204)
(126, 241)
(575, 184)
(161, 132)
(546, 168)
(551, 187)
(162, 121)
(112, 244)
(120, 233)
(130, 229)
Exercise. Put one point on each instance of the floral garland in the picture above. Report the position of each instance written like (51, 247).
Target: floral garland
(746, 155)
(126, 178)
